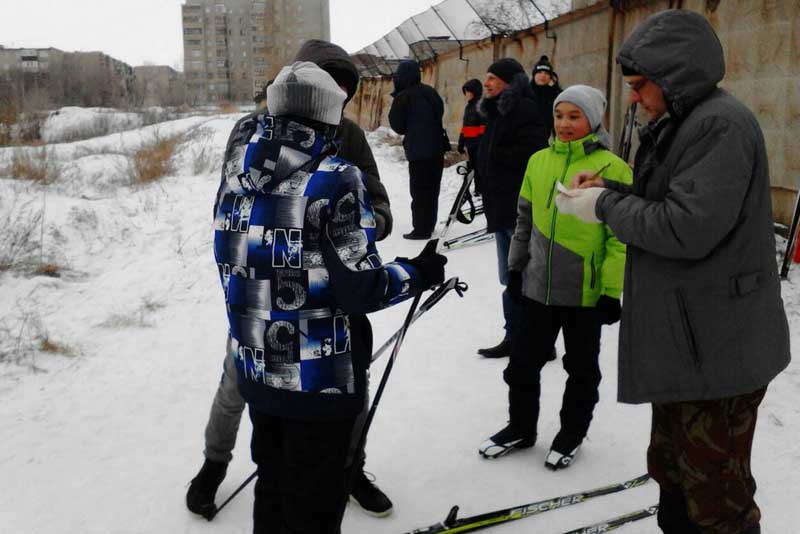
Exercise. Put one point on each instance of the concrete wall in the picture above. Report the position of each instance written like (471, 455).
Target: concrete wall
(761, 40)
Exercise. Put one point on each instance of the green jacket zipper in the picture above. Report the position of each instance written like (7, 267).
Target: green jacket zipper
(593, 280)
(553, 230)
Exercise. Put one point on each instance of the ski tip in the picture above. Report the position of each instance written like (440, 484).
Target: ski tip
(451, 517)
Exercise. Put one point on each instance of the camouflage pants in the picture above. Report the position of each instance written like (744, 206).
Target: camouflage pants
(700, 455)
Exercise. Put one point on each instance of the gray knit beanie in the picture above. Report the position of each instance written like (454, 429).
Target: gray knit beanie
(305, 90)
(592, 103)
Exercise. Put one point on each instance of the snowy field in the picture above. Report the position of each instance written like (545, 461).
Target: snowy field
(104, 436)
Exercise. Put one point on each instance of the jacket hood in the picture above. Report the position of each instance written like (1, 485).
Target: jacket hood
(507, 101)
(406, 75)
(334, 60)
(279, 149)
(474, 86)
(680, 52)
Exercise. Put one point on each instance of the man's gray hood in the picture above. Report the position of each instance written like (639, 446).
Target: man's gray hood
(680, 52)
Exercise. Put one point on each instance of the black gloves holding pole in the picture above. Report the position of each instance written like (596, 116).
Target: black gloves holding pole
(429, 263)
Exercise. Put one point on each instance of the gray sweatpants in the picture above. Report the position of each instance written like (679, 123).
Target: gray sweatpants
(226, 413)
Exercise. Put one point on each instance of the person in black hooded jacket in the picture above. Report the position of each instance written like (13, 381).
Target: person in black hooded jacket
(472, 127)
(416, 113)
(227, 406)
(544, 83)
(514, 131)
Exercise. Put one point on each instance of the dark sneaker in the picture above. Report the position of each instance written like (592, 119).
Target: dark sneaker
(557, 460)
(506, 441)
(200, 497)
(414, 235)
(502, 350)
(369, 497)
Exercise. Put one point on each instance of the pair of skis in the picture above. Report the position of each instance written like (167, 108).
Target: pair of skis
(453, 524)
(472, 238)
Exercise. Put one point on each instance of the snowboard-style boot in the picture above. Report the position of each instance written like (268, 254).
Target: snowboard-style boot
(203, 488)
(370, 497)
(506, 441)
(501, 350)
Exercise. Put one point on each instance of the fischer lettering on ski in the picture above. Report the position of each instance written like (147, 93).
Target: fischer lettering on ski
(453, 525)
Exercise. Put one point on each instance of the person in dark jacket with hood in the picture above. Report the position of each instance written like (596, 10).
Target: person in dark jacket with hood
(544, 83)
(228, 405)
(416, 114)
(514, 131)
(703, 328)
(473, 126)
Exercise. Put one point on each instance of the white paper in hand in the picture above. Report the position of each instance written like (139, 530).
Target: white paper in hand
(563, 189)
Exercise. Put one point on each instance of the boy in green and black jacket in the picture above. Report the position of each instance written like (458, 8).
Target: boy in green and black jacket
(566, 275)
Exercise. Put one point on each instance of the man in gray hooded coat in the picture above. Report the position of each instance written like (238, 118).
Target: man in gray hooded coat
(703, 327)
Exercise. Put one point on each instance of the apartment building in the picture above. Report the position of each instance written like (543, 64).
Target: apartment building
(233, 47)
(159, 85)
(30, 60)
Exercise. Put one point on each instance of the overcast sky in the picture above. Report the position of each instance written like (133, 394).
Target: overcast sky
(149, 31)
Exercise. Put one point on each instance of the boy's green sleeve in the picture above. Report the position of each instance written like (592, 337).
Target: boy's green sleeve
(612, 271)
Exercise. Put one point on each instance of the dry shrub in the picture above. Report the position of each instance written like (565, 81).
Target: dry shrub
(33, 165)
(48, 345)
(49, 269)
(153, 160)
(139, 318)
(19, 240)
(227, 107)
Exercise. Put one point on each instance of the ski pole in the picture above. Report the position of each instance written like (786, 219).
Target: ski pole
(232, 495)
(791, 239)
(436, 296)
(401, 334)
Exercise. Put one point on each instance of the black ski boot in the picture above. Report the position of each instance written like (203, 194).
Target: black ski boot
(200, 497)
(501, 350)
(370, 497)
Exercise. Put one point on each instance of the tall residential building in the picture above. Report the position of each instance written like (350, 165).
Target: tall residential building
(231, 48)
(159, 85)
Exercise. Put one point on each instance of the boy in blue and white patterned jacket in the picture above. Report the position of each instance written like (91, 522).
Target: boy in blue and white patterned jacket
(295, 245)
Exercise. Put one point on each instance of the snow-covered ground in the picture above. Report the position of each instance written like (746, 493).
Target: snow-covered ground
(104, 438)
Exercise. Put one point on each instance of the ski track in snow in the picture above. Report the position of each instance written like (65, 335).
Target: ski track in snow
(107, 440)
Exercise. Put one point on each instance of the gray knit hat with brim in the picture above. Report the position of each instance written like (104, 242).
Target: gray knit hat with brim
(305, 90)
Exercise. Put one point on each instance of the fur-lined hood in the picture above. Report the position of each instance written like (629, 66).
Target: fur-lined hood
(507, 101)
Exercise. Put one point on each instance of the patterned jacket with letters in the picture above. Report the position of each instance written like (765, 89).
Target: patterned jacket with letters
(294, 241)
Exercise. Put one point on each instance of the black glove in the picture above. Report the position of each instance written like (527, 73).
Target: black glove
(608, 310)
(514, 285)
(429, 263)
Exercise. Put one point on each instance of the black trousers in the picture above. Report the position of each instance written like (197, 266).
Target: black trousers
(425, 179)
(301, 474)
(472, 151)
(534, 334)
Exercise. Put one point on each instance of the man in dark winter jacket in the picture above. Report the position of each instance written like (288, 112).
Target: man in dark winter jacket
(544, 83)
(703, 327)
(514, 131)
(227, 407)
(294, 240)
(472, 126)
(416, 113)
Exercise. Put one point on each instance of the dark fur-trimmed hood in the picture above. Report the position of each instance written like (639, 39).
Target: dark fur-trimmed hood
(507, 101)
